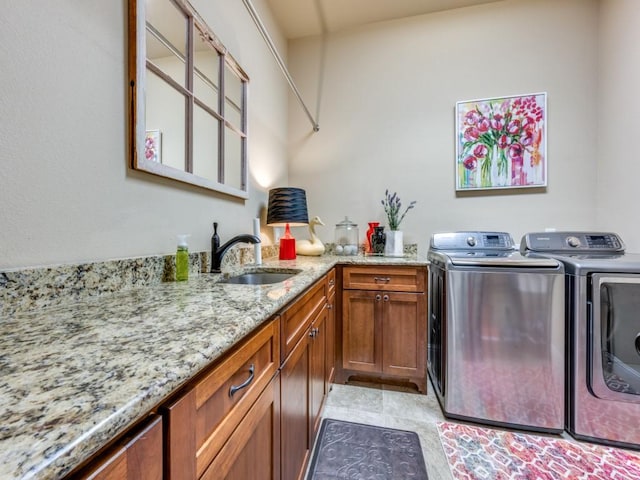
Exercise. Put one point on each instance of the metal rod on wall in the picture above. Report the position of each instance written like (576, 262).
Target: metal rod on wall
(274, 51)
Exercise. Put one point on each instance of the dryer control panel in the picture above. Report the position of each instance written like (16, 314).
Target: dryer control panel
(472, 240)
(566, 242)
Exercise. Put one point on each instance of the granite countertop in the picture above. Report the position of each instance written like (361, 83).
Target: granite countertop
(74, 376)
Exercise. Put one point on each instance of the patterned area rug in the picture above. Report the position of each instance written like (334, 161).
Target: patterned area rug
(481, 453)
(348, 450)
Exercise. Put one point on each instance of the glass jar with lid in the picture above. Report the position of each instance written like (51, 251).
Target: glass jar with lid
(346, 237)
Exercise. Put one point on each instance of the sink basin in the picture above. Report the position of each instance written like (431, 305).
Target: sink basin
(260, 278)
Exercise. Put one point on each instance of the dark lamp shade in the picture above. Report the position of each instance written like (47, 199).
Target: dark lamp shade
(287, 205)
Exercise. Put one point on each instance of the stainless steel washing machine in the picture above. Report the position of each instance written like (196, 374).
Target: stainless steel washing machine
(496, 332)
(603, 317)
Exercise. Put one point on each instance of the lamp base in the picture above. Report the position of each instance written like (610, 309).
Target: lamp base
(287, 248)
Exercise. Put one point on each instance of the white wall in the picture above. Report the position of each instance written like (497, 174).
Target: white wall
(387, 93)
(66, 192)
(385, 109)
(618, 108)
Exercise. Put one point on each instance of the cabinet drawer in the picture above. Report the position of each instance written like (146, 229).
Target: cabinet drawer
(138, 456)
(217, 402)
(331, 282)
(296, 319)
(392, 279)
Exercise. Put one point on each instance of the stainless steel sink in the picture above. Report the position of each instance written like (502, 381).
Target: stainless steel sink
(261, 278)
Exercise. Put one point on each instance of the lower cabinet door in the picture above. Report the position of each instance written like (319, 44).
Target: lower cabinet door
(252, 452)
(317, 365)
(294, 410)
(330, 370)
(405, 334)
(362, 331)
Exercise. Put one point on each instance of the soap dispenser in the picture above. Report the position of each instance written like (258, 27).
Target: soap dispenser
(182, 259)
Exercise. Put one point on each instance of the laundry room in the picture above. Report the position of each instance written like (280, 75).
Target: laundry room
(219, 233)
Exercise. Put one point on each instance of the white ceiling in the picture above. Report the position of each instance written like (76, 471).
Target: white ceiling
(301, 18)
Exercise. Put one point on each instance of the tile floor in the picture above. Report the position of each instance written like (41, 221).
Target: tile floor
(398, 407)
(389, 406)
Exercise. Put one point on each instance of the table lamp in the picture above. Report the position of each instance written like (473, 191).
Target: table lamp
(287, 207)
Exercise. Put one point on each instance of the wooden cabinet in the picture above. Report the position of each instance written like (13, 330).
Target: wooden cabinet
(211, 426)
(317, 368)
(252, 452)
(298, 316)
(384, 324)
(331, 330)
(137, 457)
(303, 389)
(304, 375)
(252, 415)
(294, 411)
(379, 278)
(362, 331)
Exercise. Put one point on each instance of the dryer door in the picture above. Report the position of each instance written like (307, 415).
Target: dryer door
(614, 337)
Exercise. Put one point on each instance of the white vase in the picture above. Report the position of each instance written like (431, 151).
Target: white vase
(394, 246)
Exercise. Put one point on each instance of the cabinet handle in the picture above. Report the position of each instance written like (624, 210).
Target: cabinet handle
(382, 279)
(329, 306)
(235, 388)
(378, 297)
(386, 298)
(332, 283)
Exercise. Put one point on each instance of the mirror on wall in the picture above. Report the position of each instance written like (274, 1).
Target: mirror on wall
(188, 99)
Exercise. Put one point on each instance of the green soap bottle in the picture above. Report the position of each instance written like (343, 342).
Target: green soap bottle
(182, 259)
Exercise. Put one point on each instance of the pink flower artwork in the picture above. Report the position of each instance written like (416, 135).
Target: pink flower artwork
(152, 146)
(501, 142)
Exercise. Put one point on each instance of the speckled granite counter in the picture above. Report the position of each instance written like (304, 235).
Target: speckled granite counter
(74, 376)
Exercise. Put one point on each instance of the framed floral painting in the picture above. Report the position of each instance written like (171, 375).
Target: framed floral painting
(501, 142)
(153, 146)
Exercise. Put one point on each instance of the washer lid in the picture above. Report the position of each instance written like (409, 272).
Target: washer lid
(499, 259)
(586, 264)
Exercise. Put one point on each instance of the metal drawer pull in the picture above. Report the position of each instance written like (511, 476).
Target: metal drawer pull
(378, 297)
(332, 283)
(382, 279)
(314, 332)
(329, 306)
(244, 384)
(386, 298)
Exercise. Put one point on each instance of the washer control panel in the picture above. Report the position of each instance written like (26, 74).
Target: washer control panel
(591, 242)
(472, 240)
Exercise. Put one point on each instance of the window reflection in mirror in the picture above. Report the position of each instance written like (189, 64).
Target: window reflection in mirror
(188, 99)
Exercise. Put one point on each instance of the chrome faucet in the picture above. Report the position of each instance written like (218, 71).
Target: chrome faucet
(217, 251)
